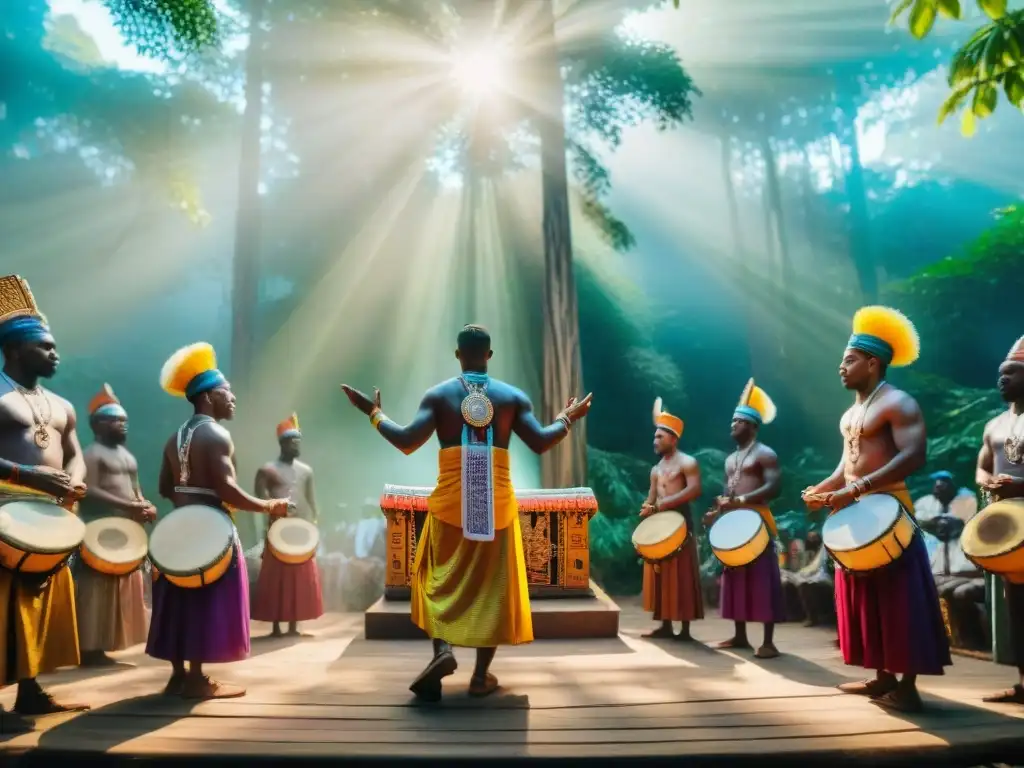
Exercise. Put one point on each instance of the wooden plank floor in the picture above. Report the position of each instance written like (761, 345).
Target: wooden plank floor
(339, 695)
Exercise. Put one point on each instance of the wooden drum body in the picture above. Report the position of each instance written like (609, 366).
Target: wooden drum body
(293, 540)
(554, 525)
(115, 546)
(37, 536)
(739, 537)
(660, 536)
(868, 534)
(994, 539)
(193, 546)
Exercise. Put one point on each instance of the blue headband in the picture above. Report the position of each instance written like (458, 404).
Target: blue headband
(747, 413)
(289, 433)
(204, 382)
(872, 345)
(943, 475)
(111, 410)
(23, 328)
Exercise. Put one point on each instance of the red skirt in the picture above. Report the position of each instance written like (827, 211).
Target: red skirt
(673, 593)
(287, 592)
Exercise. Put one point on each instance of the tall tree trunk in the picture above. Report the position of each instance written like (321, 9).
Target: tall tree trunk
(746, 277)
(858, 223)
(565, 465)
(775, 233)
(248, 223)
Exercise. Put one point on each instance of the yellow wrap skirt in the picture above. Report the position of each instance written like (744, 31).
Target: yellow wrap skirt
(472, 594)
(38, 624)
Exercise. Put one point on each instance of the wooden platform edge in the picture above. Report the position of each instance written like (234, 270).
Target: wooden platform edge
(576, 618)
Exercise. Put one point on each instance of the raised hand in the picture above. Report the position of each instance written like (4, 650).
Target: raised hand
(576, 409)
(361, 401)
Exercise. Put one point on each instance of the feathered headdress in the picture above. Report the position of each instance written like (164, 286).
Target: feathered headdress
(105, 403)
(886, 334)
(666, 421)
(1016, 353)
(289, 428)
(191, 371)
(755, 405)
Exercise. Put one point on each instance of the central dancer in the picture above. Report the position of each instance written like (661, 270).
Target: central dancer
(469, 584)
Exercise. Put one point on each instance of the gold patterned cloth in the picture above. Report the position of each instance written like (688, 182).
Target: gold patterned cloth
(38, 622)
(472, 594)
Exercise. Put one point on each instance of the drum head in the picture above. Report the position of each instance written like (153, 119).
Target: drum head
(293, 536)
(734, 529)
(996, 530)
(860, 523)
(189, 539)
(656, 528)
(40, 526)
(116, 540)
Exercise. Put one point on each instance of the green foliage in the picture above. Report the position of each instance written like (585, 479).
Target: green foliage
(964, 304)
(166, 28)
(991, 59)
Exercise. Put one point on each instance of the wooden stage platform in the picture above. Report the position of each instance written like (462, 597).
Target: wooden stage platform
(623, 699)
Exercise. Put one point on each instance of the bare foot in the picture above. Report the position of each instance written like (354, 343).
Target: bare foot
(1013, 695)
(297, 633)
(175, 686)
(661, 633)
(41, 703)
(767, 651)
(733, 643)
(872, 688)
(206, 687)
(483, 686)
(900, 700)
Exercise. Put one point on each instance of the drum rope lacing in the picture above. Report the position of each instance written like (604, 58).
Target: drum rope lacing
(40, 435)
(856, 428)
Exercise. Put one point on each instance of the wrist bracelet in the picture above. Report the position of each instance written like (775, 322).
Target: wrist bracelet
(565, 422)
(376, 417)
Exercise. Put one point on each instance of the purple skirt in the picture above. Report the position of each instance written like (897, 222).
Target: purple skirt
(207, 624)
(890, 619)
(754, 592)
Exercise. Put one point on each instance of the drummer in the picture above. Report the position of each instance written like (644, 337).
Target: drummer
(39, 449)
(1001, 474)
(752, 479)
(112, 612)
(672, 589)
(889, 619)
(287, 592)
(208, 624)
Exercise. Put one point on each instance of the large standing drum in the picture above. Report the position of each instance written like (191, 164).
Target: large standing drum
(192, 547)
(869, 534)
(37, 536)
(994, 539)
(115, 546)
(739, 537)
(660, 536)
(293, 540)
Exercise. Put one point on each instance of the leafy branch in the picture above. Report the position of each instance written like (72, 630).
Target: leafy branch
(991, 59)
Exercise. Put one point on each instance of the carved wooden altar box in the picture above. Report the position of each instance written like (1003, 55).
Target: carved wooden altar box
(554, 525)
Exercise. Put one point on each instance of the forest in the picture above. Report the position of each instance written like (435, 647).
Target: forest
(639, 212)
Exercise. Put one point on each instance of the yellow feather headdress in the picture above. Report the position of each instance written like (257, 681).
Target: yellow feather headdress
(191, 370)
(755, 405)
(887, 334)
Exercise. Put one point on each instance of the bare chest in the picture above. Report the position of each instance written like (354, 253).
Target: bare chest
(670, 476)
(114, 461)
(860, 423)
(1007, 441)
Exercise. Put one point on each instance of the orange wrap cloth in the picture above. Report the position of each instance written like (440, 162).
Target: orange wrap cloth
(41, 622)
(472, 594)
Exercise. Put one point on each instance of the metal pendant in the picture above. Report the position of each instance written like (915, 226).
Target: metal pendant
(477, 410)
(42, 438)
